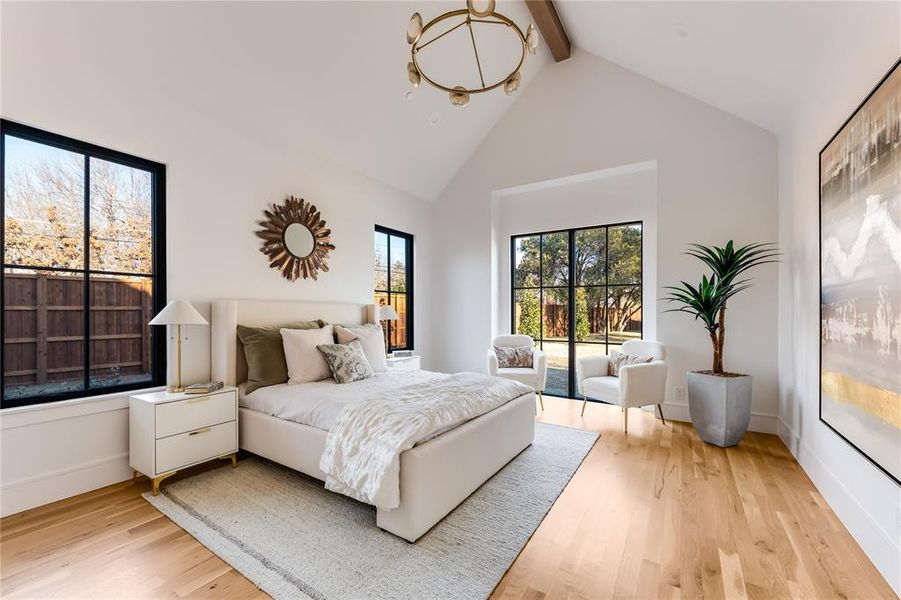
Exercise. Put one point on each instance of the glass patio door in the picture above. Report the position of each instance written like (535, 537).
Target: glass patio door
(576, 292)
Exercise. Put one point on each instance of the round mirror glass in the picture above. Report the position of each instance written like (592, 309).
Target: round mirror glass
(298, 240)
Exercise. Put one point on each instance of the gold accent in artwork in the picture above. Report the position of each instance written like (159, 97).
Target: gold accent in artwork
(881, 403)
(296, 239)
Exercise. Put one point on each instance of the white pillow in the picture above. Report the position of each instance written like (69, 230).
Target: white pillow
(305, 362)
(371, 338)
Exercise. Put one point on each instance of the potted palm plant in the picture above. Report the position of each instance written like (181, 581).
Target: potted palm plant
(719, 401)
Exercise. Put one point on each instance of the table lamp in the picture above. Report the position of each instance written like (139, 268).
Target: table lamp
(387, 313)
(178, 312)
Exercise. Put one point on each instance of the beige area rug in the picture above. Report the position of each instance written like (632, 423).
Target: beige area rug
(293, 539)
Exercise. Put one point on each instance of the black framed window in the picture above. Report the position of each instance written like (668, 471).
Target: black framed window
(576, 292)
(83, 268)
(394, 283)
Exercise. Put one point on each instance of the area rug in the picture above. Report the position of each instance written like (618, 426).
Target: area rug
(293, 539)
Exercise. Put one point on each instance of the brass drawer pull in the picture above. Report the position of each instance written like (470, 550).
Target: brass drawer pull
(199, 431)
(196, 400)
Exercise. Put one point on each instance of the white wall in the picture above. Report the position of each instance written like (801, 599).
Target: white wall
(599, 198)
(219, 179)
(716, 180)
(865, 499)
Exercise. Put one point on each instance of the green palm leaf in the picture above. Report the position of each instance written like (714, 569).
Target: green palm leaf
(707, 301)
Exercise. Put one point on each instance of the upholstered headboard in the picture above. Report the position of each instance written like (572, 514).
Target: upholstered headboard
(227, 355)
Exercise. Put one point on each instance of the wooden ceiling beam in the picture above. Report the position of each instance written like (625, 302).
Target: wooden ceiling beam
(548, 22)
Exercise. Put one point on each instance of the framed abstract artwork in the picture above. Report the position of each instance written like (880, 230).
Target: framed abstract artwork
(860, 278)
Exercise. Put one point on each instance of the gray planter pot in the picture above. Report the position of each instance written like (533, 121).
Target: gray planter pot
(720, 407)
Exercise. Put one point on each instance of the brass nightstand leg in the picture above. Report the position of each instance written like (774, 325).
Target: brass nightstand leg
(158, 480)
(233, 456)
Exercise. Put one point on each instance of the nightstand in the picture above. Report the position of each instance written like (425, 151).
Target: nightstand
(406, 363)
(172, 431)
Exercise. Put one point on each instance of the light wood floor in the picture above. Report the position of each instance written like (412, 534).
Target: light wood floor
(655, 514)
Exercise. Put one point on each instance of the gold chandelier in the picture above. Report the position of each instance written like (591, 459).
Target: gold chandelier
(471, 15)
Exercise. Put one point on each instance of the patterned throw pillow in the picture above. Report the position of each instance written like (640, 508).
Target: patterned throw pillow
(513, 358)
(618, 360)
(347, 361)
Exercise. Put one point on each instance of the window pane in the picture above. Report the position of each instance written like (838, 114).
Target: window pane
(121, 344)
(624, 313)
(557, 381)
(624, 261)
(381, 262)
(43, 326)
(121, 232)
(398, 328)
(44, 203)
(526, 261)
(591, 246)
(590, 325)
(527, 313)
(555, 312)
(555, 259)
(398, 264)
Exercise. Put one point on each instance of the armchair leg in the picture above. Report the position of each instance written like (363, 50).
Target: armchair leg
(584, 402)
(660, 410)
(625, 420)
(541, 401)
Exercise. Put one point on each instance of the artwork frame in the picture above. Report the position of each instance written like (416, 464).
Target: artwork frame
(832, 383)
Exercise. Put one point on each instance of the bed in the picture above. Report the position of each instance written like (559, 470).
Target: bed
(434, 476)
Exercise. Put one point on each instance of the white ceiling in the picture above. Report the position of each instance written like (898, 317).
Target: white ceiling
(761, 61)
(328, 77)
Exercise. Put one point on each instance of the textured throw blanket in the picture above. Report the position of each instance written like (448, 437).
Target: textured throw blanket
(363, 448)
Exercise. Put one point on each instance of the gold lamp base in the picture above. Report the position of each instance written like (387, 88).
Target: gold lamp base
(178, 387)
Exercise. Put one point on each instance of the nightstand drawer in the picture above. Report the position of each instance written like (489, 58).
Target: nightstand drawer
(195, 446)
(194, 413)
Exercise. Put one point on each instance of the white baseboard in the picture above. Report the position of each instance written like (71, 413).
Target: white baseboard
(760, 422)
(56, 485)
(877, 543)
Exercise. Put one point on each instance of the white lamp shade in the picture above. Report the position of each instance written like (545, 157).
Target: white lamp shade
(387, 313)
(179, 312)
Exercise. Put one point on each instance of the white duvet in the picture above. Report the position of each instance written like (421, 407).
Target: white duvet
(362, 452)
(371, 422)
(319, 404)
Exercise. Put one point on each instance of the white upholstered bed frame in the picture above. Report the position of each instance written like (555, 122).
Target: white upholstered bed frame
(435, 476)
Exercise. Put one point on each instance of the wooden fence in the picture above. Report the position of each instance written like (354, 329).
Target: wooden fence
(556, 318)
(398, 327)
(43, 328)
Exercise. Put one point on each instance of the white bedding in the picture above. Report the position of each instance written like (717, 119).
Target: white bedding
(318, 404)
(362, 452)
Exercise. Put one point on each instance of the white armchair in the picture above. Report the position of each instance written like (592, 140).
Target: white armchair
(637, 385)
(534, 377)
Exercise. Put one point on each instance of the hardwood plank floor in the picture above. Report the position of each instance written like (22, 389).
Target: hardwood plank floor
(655, 514)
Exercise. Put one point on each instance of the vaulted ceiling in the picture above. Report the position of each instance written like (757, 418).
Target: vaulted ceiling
(761, 61)
(329, 77)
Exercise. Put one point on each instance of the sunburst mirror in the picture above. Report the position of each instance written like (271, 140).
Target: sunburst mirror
(296, 239)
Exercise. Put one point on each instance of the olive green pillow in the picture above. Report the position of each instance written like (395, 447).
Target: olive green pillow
(265, 353)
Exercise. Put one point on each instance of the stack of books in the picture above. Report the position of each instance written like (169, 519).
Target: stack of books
(204, 388)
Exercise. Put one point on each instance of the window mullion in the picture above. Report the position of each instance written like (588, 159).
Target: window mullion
(86, 294)
(388, 323)
(607, 290)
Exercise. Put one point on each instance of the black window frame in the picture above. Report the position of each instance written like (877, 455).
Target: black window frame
(570, 288)
(408, 268)
(158, 270)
